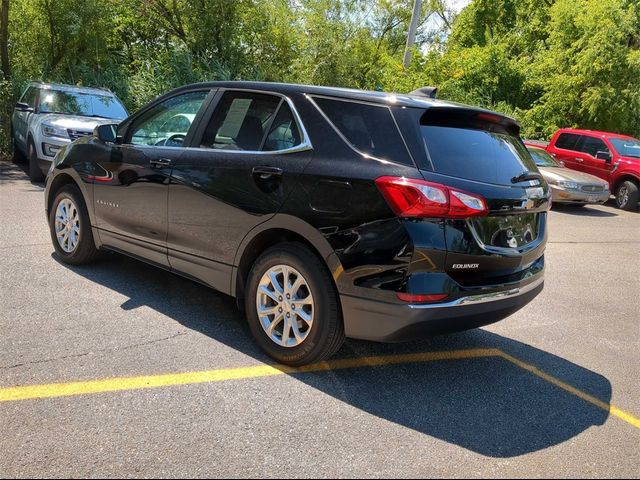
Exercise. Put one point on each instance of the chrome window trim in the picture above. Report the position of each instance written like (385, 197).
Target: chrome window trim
(303, 146)
(484, 297)
(345, 140)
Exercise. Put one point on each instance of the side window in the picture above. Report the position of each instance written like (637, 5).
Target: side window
(370, 129)
(284, 132)
(29, 96)
(241, 121)
(568, 141)
(168, 123)
(593, 145)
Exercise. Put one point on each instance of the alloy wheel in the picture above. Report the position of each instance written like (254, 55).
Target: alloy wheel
(67, 225)
(623, 196)
(285, 306)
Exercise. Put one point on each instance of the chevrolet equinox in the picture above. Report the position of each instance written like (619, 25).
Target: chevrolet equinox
(327, 213)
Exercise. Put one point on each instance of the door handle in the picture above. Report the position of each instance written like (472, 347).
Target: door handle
(578, 159)
(161, 162)
(264, 172)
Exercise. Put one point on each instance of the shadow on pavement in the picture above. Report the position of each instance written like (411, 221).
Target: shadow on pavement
(487, 405)
(584, 211)
(11, 173)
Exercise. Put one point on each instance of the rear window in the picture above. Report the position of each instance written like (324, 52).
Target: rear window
(370, 129)
(465, 146)
(568, 141)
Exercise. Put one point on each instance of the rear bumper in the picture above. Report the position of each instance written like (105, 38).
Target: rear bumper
(389, 322)
(561, 195)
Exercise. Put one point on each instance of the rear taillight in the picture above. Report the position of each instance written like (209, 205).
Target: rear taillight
(409, 197)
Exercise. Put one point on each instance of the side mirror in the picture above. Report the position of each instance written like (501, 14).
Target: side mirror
(606, 156)
(106, 133)
(23, 107)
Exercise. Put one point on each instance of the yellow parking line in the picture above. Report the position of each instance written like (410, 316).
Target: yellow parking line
(32, 392)
(621, 414)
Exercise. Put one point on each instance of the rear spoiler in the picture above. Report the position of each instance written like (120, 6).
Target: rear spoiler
(427, 92)
(463, 117)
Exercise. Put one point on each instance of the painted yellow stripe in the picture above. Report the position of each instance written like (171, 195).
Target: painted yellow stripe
(621, 414)
(31, 392)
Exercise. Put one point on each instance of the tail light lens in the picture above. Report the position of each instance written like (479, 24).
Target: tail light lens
(409, 197)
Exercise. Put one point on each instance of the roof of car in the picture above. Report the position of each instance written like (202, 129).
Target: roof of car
(386, 98)
(71, 88)
(597, 133)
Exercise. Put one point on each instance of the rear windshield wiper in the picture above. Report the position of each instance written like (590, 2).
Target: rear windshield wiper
(524, 176)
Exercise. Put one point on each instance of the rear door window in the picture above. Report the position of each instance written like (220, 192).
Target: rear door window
(241, 121)
(593, 145)
(368, 128)
(568, 141)
(462, 146)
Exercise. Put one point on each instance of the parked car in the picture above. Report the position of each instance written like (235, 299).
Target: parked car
(49, 116)
(325, 212)
(569, 186)
(612, 157)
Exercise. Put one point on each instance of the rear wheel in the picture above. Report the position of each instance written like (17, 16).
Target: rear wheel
(70, 227)
(35, 174)
(627, 195)
(292, 306)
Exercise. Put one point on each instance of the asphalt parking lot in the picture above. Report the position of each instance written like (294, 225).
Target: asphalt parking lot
(553, 391)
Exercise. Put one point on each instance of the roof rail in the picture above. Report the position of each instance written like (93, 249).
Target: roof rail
(429, 92)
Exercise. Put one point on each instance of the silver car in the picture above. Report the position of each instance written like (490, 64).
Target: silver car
(49, 116)
(569, 186)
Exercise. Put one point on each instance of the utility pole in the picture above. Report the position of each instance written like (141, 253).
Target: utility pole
(411, 37)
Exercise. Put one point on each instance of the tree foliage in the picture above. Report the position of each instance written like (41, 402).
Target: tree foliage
(549, 63)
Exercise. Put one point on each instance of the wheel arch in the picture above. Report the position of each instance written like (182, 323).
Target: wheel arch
(69, 176)
(281, 228)
(623, 177)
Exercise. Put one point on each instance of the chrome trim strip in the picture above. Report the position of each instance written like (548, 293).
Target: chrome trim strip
(304, 145)
(482, 298)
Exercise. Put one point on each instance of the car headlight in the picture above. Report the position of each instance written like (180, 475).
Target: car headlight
(568, 185)
(49, 130)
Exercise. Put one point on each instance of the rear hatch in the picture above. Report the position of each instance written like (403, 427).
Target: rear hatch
(482, 153)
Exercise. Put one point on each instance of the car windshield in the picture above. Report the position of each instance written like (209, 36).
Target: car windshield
(83, 104)
(542, 158)
(627, 147)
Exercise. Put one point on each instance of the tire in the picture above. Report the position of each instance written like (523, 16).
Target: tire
(35, 174)
(627, 196)
(85, 250)
(324, 336)
(17, 156)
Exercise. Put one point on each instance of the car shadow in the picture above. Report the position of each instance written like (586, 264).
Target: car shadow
(585, 211)
(11, 173)
(487, 405)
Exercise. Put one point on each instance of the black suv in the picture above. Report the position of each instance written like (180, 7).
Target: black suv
(326, 212)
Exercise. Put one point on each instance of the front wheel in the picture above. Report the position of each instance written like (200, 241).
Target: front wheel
(292, 306)
(627, 195)
(71, 228)
(35, 174)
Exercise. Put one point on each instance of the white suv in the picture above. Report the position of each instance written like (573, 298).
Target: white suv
(49, 116)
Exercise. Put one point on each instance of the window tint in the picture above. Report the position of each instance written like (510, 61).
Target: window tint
(593, 145)
(284, 132)
(168, 123)
(241, 120)
(481, 155)
(29, 96)
(369, 129)
(568, 141)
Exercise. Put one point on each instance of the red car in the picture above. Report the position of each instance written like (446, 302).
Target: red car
(610, 156)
